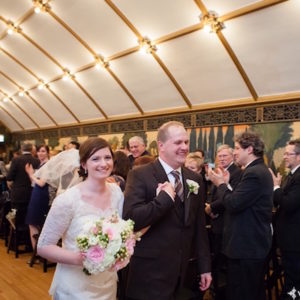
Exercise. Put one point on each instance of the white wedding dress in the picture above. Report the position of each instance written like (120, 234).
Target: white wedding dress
(68, 216)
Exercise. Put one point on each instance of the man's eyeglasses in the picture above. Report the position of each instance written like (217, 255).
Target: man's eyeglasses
(290, 153)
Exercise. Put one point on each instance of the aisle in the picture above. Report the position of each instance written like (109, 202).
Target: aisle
(19, 281)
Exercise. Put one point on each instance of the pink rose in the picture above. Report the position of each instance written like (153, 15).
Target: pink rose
(110, 233)
(95, 254)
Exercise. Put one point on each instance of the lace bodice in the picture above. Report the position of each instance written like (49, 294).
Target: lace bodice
(69, 216)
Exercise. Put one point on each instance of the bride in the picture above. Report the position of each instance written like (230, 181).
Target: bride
(85, 202)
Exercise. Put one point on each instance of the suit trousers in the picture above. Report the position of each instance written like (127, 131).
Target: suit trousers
(245, 279)
(291, 268)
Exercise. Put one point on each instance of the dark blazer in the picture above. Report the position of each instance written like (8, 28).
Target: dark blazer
(248, 213)
(216, 204)
(21, 189)
(287, 199)
(160, 259)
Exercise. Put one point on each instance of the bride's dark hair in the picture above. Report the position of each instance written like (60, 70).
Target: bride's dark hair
(88, 148)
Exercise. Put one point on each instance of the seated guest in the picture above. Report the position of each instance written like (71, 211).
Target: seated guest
(286, 199)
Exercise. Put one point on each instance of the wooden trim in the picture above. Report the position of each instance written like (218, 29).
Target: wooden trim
(62, 102)
(238, 65)
(72, 32)
(24, 112)
(30, 40)
(201, 6)
(9, 114)
(19, 63)
(249, 9)
(124, 18)
(36, 102)
(125, 90)
(9, 79)
(90, 98)
(172, 78)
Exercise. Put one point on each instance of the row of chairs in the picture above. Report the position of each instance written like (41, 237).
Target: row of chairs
(16, 233)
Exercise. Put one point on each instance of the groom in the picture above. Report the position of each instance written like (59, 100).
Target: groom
(159, 201)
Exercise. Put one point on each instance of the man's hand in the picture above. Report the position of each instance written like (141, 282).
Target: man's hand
(168, 188)
(276, 179)
(217, 177)
(205, 281)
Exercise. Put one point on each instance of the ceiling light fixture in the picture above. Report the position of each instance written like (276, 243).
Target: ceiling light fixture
(21, 92)
(41, 5)
(100, 62)
(41, 84)
(147, 46)
(211, 22)
(5, 99)
(67, 75)
(11, 28)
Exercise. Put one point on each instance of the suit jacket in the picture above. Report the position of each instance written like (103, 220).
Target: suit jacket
(248, 214)
(216, 204)
(21, 189)
(160, 259)
(287, 200)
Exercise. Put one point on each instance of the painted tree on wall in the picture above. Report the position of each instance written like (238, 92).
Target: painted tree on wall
(205, 144)
(193, 140)
(274, 135)
(219, 140)
(200, 139)
(229, 136)
(211, 144)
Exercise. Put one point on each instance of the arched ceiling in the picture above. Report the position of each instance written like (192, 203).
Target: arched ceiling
(96, 43)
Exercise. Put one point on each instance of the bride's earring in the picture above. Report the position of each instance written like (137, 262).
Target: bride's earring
(85, 171)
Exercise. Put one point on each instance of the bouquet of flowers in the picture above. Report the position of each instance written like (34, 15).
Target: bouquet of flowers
(107, 245)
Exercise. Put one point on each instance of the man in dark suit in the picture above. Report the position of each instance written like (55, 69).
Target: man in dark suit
(18, 180)
(287, 228)
(160, 197)
(247, 234)
(215, 210)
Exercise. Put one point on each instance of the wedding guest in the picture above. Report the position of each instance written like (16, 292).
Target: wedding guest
(159, 195)
(194, 162)
(215, 210)
(120, 170)
(287, 227)
(18, 180)
(137, 148)
(85, 202)
(39, 203)
(247, 234)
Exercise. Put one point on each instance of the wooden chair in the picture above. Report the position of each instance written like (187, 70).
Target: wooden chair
(18, 234)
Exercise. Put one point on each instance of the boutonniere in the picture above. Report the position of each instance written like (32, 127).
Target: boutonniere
(193, 187)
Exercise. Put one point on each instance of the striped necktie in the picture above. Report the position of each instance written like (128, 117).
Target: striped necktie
(178, 185)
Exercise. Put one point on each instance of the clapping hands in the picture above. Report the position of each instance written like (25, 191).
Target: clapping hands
(218, 176)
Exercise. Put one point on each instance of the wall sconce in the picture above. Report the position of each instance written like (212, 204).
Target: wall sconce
(147, 46)
(211, 22)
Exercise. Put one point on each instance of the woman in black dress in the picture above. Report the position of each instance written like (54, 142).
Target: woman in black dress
(39, 203)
